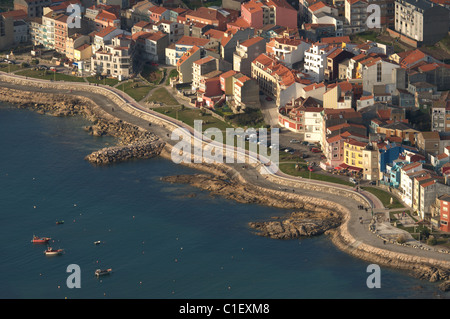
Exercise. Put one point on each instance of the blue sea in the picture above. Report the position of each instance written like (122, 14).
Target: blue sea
(160, 241)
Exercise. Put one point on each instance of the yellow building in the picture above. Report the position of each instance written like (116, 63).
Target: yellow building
(353, 153)
(83, 52)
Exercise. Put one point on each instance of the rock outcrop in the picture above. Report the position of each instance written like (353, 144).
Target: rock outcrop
(297, 225)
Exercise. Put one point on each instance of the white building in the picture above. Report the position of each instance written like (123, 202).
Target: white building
(316, 60)
(115, 59)
(407, 182)
(175, 30)
(313, 124)
(288, 51)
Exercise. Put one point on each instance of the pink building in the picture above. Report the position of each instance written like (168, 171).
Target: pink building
(258, 13)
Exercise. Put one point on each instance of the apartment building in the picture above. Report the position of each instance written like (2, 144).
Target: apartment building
(151, 46)
(115, 59)
(316, 60)
(275, 79)
(355, 16)
(421, 20)
(259, 13)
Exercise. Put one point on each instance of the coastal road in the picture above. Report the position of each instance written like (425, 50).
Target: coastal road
(359, 231)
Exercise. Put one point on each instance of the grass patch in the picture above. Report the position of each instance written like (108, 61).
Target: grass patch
(10, 67)
(385, 197)
(289, 168)
(105, 81)
(161, 95)
(49, 75)
(188, 116)
(136, 90)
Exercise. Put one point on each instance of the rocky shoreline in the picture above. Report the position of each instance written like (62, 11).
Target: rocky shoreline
(310, 216)
(133, 142)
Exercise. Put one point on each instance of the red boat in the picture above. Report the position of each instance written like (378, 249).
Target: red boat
(40, 240)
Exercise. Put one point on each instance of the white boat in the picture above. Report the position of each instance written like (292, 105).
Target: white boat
(53, 252)
(98, 242)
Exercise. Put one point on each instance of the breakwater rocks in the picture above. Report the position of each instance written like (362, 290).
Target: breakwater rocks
(133, 141)
(297, 225)
(142, 149)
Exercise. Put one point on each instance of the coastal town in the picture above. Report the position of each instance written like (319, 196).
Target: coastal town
(360, 95)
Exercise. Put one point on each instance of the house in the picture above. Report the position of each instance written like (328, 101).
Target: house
(338, 96)
(230, 40)
(157, 13)
(202, 69)
(34, 9)
(185, 62)
(444, 219)
(377, 72)
(174, 30)
(245, 94)
(150, 46)
(286, 50)
(246, 52)
(331, 71)
(175, 51)
(316, 31)
(106, 19)
(21, 29)
(216, 17)
(428, 142)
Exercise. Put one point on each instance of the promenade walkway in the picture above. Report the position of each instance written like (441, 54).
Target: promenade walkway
(360, 231)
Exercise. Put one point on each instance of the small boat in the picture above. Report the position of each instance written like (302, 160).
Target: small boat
(102, 272)
(59, 222)
(53, 252)
(98, 242)
(40, 240)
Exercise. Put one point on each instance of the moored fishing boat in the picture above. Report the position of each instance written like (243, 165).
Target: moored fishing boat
(53, 252)
(59, 222)
(40, 240)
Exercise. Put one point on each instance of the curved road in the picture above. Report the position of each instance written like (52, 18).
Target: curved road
(359, 231)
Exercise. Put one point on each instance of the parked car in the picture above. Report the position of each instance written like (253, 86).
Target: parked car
(53, 69)
(311, 169)
(294, 141)
(288, 149)
(304, 155)
(373, 183)
(315, 150)
(268, 98)
(352, 180)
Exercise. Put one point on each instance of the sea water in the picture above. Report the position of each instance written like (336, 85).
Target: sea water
(161, 240)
